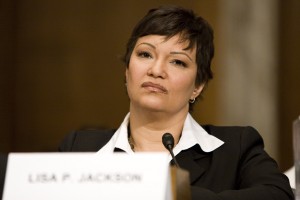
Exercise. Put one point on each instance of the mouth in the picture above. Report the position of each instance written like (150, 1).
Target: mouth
(153, 87)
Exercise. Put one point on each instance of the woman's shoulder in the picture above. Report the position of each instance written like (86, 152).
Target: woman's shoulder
(86, 140)
(230, 134)
(243, 141)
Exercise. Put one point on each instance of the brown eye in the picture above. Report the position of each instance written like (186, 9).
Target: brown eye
(144, 54)
(179, 63)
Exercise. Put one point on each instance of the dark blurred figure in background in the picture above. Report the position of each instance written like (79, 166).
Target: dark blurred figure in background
(3, 163)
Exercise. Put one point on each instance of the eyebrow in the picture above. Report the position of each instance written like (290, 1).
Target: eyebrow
(183, 53)
(146, 43)
(172, 52)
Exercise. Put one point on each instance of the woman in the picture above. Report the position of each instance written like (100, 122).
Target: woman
(168, 61)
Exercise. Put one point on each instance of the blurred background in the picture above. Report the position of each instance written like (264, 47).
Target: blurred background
(61, 68)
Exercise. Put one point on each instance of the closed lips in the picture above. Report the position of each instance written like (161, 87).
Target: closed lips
(155, 86)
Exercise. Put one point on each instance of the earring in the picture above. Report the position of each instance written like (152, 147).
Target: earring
(192, 100)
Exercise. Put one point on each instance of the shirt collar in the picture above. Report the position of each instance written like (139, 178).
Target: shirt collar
(118, 140)
(192, 134)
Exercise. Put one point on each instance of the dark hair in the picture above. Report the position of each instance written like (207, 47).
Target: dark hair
(172, 20)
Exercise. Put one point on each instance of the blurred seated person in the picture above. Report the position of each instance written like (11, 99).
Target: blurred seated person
(3, 163)
(168, 64)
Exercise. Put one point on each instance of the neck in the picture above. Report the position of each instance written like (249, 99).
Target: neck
(146, 129)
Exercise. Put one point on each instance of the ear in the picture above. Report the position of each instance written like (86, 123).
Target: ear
(197, 91)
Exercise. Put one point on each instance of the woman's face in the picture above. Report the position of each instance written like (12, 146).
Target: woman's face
(161, 74)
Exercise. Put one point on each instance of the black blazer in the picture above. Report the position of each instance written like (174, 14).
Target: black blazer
(238, 170)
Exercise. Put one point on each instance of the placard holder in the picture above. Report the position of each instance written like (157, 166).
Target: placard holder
(180, 184)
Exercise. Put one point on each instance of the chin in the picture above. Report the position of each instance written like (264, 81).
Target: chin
(155, 106)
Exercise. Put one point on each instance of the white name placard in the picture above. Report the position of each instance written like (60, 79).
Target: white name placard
(88, 176)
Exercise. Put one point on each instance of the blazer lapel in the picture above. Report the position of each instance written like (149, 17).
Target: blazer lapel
(195, 161)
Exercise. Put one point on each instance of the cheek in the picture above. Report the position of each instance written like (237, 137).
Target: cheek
(136, 68)
(184, 84)
(134, 73)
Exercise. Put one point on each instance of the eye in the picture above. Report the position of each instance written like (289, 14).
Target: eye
(144, 54)
(179, 63)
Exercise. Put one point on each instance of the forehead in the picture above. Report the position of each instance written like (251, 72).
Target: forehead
(176, 41)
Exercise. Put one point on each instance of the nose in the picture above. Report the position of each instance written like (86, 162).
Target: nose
(157, 69)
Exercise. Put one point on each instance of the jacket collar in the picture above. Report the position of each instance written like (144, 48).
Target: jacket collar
(190, 159)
